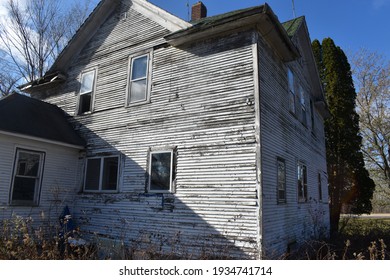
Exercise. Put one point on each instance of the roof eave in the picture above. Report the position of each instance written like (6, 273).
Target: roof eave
(261, 18)
(104, 9)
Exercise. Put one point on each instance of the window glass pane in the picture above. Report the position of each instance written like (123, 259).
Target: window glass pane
(87, 82)
(290, 81)
(28, 164)
(93, 174)
(160, 177)
(24, 189)
(110, 174)
(85, 103)
(281, 180)
(138, 91)
(139, 68)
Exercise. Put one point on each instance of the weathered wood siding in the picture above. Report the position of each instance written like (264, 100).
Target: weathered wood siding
(61, 175)
(201, 103)
(283, 135)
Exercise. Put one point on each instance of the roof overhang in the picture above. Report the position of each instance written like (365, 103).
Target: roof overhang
(261, 18)
(43, 140)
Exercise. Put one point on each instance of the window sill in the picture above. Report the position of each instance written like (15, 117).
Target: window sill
(23, 204)
(138, 103)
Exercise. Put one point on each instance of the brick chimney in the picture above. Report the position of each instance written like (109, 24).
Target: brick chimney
(199, 11)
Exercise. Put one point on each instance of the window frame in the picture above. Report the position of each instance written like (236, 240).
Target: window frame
(291, 91)
(39, 178)
(148, 78)
(171, 175)
(101, 174)
(302, 101)
(319, 182)
(302, 187)
(281, 200)
(90, 92)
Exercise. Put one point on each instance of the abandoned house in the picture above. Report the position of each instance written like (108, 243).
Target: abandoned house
(205, 135)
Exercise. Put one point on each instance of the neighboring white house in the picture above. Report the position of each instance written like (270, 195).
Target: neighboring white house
(204, 136)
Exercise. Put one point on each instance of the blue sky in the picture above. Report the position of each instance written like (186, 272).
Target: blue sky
(352, 24)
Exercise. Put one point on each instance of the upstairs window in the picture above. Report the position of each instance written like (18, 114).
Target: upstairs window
(302, 183)
(281, 178)
(28, 171)
(303, 105)
(291, 91)
(139, 79)
(161, 171)
(312, 117)
(102, 174)
(86, 91)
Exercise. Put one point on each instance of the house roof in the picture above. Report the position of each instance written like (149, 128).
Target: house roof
(33, 118)
(293, 25)
(260, 17)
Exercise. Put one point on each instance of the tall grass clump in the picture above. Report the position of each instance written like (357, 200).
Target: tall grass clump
(20, 240)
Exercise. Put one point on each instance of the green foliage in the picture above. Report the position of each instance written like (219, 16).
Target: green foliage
(349, 181)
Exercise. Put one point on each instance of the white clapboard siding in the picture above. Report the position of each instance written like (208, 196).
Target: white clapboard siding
(60, 182)
(201, 102)
(284, 136)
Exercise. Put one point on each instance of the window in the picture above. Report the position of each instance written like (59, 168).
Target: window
(28, 170)
(291, 91)
(102, 174)
(302, 183)
(139, 79)
(319, 187)
(303, 105)
(86, 91)
(281, 178)
(312, 116)
(161, 171)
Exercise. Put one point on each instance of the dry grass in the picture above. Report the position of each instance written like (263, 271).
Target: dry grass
(359, 239)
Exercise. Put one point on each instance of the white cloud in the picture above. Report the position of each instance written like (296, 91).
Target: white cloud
(378, 4)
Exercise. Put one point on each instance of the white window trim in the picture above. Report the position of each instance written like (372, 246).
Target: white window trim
(92, 92)
(171, 185)
(37, 191)
(100, 190)
(132, 57)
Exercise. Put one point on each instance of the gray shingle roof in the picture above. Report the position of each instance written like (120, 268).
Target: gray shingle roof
(27, 116)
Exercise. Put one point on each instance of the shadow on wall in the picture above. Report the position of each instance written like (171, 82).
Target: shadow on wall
(154, 224)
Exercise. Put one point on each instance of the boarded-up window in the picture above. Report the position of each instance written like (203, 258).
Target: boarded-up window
(102, 174)
(281, 178)
(161, 171)
(28, 170)
(139, 79)
(302, 183)
(86, 91)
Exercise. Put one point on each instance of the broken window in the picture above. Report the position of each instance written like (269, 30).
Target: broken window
(302, 183)
(28, 170)
(102, 174)
(161, 171)
(86, 91)
(139, 79)
(291, 91)
(281, 178)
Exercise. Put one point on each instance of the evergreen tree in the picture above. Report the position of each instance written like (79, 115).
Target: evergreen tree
(349, 182)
